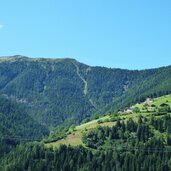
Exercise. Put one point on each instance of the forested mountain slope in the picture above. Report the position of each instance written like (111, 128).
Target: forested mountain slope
(136, 140)
(64, 91)
(17, 126)
(16, 121)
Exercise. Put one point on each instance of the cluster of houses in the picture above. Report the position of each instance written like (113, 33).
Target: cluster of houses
(147, 106)
(126, 110)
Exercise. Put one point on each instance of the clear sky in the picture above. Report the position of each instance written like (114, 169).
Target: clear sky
(133, 34)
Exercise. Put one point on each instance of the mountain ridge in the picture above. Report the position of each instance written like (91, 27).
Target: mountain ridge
(17, 57)
(65, 91)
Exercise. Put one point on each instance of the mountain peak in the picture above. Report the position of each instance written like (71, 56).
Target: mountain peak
(15, 57)
(21, 57)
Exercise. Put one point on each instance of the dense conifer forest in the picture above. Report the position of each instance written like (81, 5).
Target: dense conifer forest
(62, 115)
(59, 92)
(126, 146)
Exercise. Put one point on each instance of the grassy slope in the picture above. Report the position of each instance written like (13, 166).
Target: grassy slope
(74, 136)
(157, 101)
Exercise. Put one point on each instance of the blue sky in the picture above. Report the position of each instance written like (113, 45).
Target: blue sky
(134, 34)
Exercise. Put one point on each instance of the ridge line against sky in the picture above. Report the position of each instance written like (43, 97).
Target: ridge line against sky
(63, 58)
(128, 34)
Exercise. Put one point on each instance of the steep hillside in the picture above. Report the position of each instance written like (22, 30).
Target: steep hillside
(17, 126)
(138, 138)
(156, 108)
(15, 119)
(63, 91)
